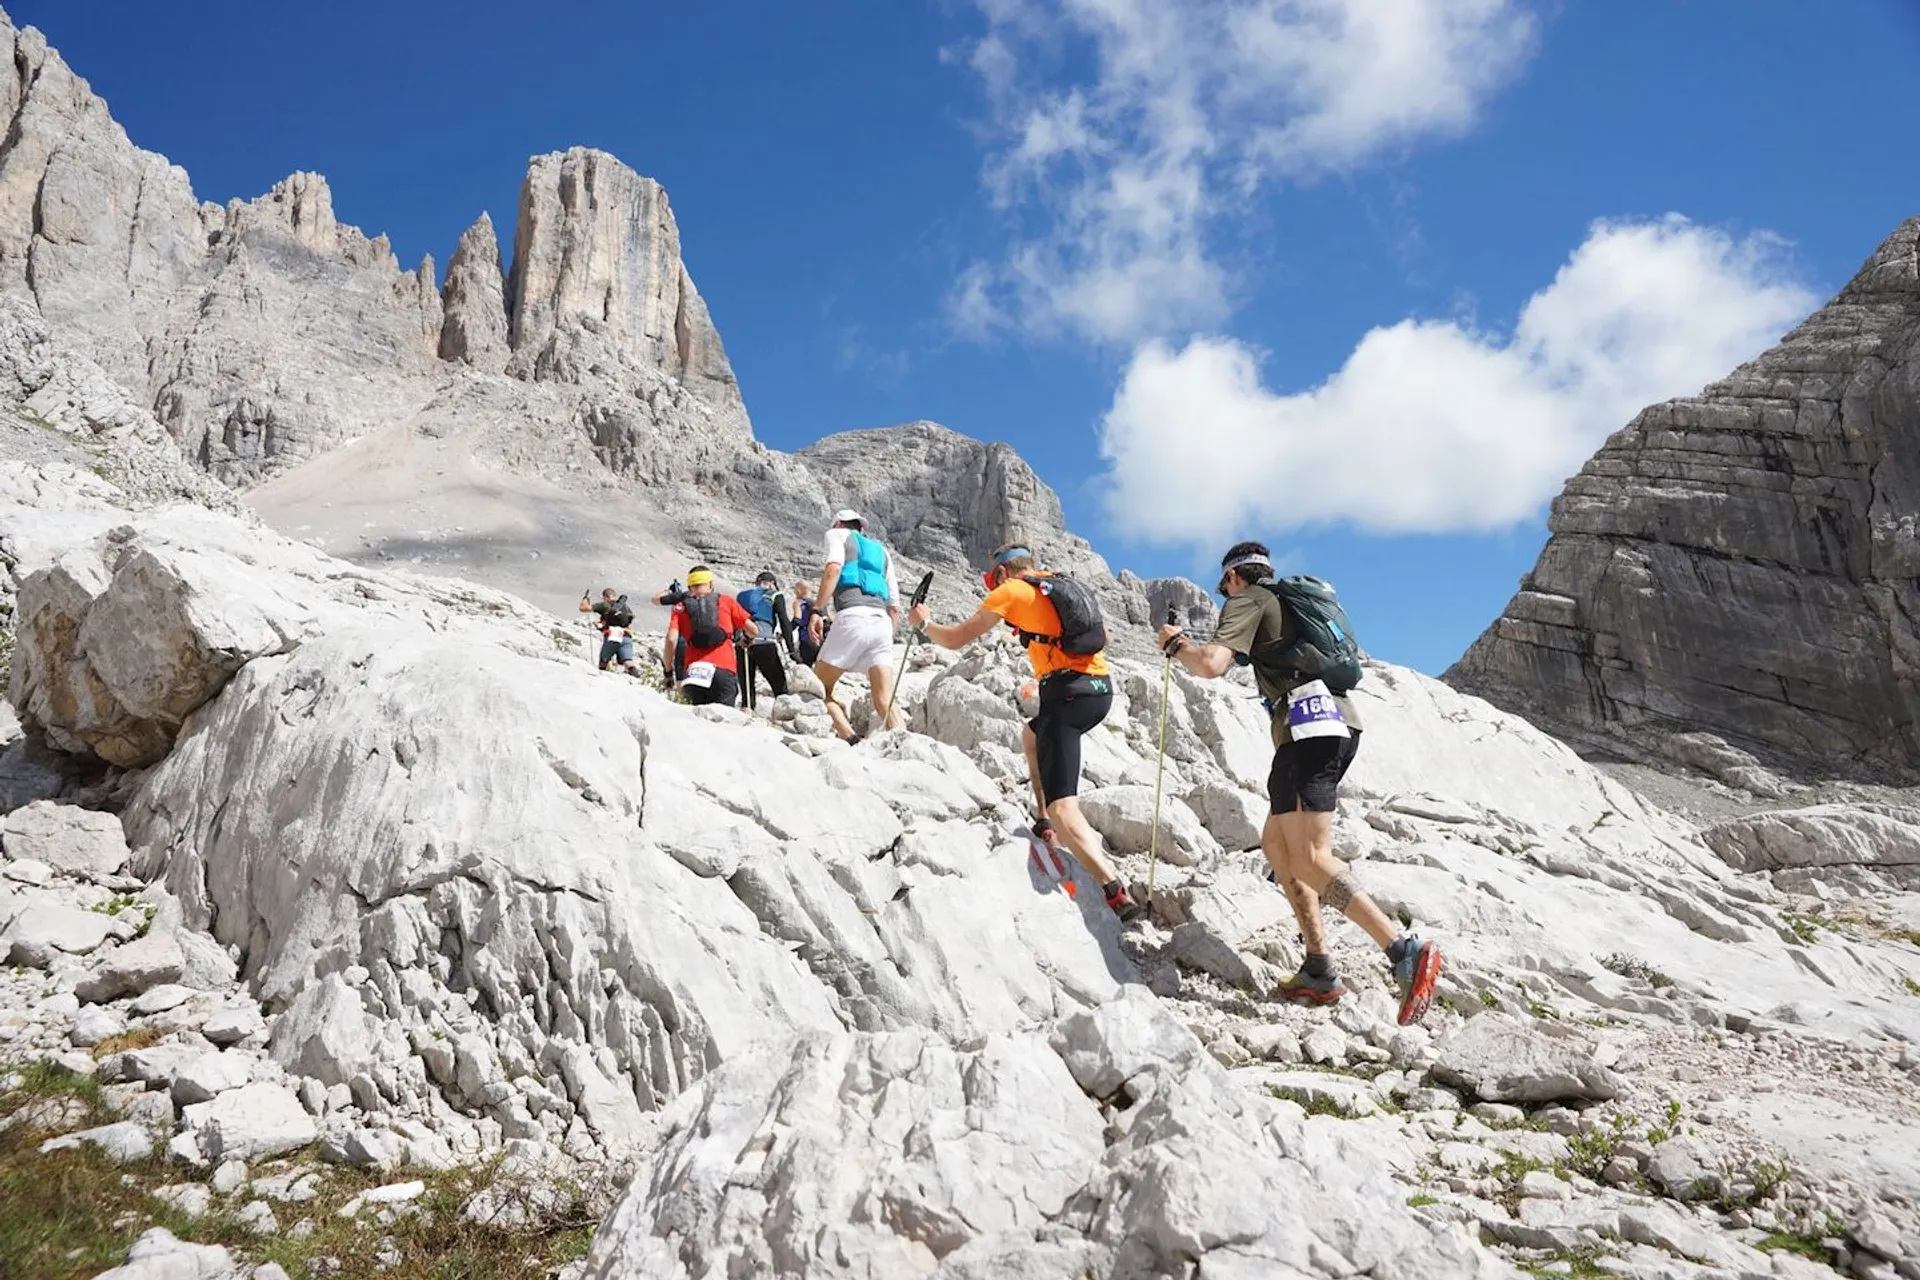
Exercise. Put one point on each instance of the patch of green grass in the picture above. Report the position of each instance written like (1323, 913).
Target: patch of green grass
(1421, 1201)
(1582, 1264)
(1315, 1104)
(1632, 967)
(1489, 999)
(1808, 931)
(76, 1213)
(1805, 1246)
(1912, 987)
(1668, 1126)
(1590, 1152)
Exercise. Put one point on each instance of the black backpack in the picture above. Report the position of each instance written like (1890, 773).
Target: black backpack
(1323, 645)
(619, 613)
(703, 621)
(1082, 630)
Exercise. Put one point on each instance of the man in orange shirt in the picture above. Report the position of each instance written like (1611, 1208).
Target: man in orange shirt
(1076, 692)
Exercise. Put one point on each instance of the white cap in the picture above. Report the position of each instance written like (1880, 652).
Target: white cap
(846, 515)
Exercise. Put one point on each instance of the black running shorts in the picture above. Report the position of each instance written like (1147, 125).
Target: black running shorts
(1306, 774)
(723, 692)
(1070, 705)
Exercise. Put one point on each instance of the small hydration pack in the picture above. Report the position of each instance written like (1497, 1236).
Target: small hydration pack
(703, 621)
(866, 571)
(618, 614)
(1323, 646)
(1082, 629)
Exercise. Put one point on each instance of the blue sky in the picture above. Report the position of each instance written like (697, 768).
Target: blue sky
(1367, 283)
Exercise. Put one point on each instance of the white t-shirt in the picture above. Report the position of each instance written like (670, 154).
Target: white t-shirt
(837, 548)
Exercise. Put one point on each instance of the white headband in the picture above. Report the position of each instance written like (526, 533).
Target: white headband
(1243, 561)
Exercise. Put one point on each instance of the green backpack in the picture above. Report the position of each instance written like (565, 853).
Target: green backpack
(1323, 645)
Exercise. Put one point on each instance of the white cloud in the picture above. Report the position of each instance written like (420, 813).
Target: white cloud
(1436, 426)
(1128, 130)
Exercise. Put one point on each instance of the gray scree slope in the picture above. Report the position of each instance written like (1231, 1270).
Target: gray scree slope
(1745, 561)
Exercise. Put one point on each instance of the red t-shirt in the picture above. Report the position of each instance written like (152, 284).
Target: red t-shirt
(732, 618)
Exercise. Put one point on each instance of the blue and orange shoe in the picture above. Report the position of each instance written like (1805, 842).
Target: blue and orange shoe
(1415, 973)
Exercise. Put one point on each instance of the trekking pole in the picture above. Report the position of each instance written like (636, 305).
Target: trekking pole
(1160, 769)
(900, 671)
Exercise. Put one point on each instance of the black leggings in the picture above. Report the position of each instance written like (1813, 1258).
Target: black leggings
(764, 659)
(1070, 705)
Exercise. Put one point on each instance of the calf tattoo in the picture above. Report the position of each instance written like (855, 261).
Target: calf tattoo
(1339, 892)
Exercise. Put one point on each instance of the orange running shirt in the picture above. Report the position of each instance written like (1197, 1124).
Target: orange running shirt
(1022, 604)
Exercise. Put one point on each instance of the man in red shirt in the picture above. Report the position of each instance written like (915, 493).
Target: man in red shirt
(709, 621)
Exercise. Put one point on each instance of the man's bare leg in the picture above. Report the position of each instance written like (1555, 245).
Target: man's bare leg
(830, 676)
(1082, 841)
(1309, 840)
(880, 681)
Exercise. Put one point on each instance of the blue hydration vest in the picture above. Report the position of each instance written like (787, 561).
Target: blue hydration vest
(863, 579)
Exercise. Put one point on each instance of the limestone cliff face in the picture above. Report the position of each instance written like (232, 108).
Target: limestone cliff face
(1746, 561)
(597, 279)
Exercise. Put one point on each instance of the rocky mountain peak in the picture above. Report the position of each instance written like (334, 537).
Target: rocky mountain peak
(473, 300)
(597, 278)
(1745, 562)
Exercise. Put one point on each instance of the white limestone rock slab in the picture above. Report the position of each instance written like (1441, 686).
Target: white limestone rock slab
(1124, 818)
(44, 929)
(80, 842)
(1500, 1059)
(251, 1123)
(133, 968)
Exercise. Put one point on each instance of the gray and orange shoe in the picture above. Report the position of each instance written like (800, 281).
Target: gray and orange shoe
(1305, 988)
(1415, 974)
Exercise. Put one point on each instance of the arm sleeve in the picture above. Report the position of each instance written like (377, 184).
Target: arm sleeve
(833, 547)
(893, 584)
(782, 624)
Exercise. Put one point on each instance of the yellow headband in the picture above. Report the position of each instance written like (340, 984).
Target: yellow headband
(699, 578)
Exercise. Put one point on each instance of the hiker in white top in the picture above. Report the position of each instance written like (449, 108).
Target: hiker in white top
(857, 584)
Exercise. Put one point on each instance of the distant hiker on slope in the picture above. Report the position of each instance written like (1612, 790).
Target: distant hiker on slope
(766, 604)
(708, 621)
(857, 583)
(805, 649)
(1059, 621)
(1295, 636)
(615, 619)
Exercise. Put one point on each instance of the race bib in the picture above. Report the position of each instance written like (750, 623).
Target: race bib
(1312, 713)
(700, 676)
(616, 633)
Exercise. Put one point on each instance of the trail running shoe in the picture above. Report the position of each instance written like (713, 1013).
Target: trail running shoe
(1415, 975)
(1304, 988)
(1121, 903)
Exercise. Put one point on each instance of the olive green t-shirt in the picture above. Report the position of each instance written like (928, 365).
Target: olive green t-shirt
(1254, 619)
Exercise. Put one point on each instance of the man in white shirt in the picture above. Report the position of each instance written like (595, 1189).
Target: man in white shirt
(857, 583)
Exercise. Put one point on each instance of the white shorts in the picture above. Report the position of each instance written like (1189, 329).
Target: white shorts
(861, 639)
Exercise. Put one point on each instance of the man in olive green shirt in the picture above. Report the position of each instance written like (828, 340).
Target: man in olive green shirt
(1316, 734)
